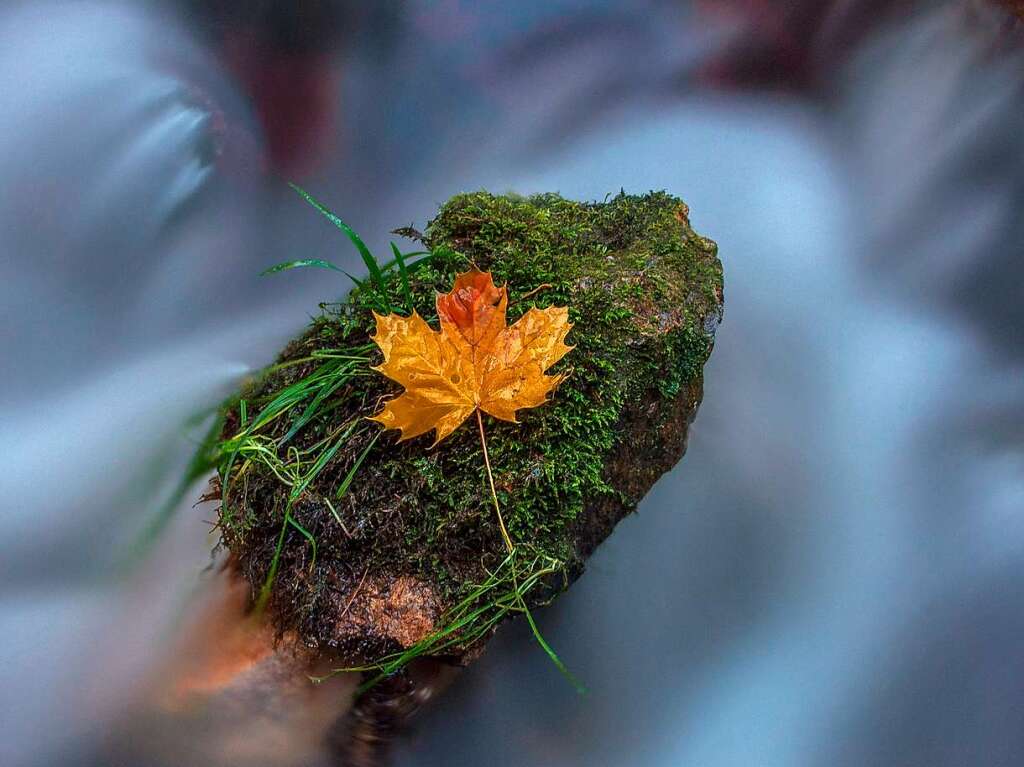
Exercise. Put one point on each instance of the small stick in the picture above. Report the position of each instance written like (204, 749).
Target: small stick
(354, 594)
(537, 289)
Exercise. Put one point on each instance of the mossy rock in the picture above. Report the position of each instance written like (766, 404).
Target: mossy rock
(416, 530)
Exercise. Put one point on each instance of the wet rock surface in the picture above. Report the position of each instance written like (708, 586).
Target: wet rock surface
(414, 533)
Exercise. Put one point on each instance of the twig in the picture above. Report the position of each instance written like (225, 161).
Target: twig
(543, 286)
(354, 594)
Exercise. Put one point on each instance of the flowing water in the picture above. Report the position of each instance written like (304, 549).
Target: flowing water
(833, 573)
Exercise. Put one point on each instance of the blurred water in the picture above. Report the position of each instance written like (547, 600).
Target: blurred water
(831, 576)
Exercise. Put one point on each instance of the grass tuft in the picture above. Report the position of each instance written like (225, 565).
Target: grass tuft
(503, 594)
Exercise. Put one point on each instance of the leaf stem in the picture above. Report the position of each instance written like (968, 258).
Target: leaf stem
(490, 478)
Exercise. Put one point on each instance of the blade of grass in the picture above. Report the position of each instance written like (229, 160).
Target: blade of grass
(296, 491)
(318, 466)
(284, 266)
(312, 408)
(202, 462)
(289, 397)
(343, 487)
(387, 266)
(268, 583)
(308, 535)
(337, 516)
(371, 263)
(403, 275)
(358, 283)
(315, 262)
(547, 649)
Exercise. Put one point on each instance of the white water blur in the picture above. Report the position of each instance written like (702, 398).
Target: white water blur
(833, 573)
(130, 306)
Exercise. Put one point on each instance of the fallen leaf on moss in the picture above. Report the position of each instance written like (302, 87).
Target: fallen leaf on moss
(475, 361)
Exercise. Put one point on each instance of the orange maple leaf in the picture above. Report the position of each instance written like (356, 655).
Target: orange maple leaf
(476, 361)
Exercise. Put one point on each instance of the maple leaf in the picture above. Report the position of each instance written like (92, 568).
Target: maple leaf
(476, 361)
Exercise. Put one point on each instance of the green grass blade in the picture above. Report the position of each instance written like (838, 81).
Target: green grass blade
(547, 649)
(339, 379)
(308, 535)
(364, 252)
(343, 487)
(315, 262)
(334, 511)
(202, 462)
(325, 456)
(403, 274)
(268, 583)
(359, 283)
(287, 398)
(387, 266)
(284, 266)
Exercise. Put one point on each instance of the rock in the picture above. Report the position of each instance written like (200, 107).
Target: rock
(413, 542)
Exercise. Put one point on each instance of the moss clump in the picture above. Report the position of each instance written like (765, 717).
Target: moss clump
(644, 292)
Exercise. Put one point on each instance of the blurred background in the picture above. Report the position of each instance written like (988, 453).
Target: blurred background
(832, 576)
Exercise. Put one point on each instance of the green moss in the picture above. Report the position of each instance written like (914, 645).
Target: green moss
(644, 292)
